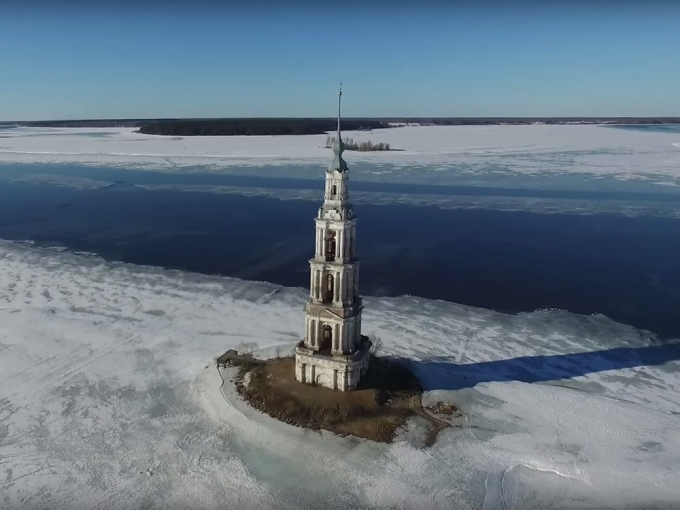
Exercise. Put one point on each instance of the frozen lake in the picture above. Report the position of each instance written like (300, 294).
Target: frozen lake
(543, 282)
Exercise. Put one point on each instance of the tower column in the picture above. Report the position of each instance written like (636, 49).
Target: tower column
(317, 284)
(345, 287)
(356, 281)
(315, 287)
(338, 278)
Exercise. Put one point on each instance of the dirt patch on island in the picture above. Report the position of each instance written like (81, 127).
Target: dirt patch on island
(389, 395)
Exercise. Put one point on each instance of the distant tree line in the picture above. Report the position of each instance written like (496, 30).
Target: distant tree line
(490, 121)
(366, 146)
(255, 127)
(278, 126)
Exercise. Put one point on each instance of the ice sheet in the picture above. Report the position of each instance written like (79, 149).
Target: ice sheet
(589, 150)
(109, 399)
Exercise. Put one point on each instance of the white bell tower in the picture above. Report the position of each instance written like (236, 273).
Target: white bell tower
(333, 353)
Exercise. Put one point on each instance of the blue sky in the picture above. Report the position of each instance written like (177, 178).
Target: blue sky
(203, 59)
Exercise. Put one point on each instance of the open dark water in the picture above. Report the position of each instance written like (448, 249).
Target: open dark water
(658, 128)
(626, 268)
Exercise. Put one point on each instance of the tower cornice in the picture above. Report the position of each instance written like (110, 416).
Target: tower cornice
(335, 264)
(340, 224)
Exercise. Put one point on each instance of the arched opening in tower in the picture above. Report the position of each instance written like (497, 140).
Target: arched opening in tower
(329, 289)
(330, 247)
(334, 190)
(326, 339)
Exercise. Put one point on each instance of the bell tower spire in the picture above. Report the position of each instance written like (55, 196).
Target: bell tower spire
(338, 164)
(334, 353)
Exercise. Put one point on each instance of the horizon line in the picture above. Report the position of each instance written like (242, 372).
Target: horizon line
(387, 118)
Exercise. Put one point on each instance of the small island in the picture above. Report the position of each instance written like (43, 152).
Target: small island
(366, 146)
(388, 395)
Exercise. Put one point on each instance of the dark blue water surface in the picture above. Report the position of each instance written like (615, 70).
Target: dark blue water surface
(625, 267)
(656, 128)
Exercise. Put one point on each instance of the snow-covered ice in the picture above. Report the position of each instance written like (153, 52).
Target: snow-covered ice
(109, 399)
(589, 150)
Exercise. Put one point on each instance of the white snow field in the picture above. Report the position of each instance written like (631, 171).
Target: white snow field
(109, 398)
(590, 150)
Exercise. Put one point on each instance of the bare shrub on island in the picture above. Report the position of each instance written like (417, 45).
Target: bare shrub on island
(246, 351)
(376, 346)
(245, 348)
(366, 146)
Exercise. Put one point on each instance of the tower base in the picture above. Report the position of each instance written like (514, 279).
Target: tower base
(337, 372)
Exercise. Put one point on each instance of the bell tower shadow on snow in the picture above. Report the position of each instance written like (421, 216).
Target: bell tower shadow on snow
(440, 374)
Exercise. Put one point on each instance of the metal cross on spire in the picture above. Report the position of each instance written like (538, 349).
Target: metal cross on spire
(338, 164)
(339, 105)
